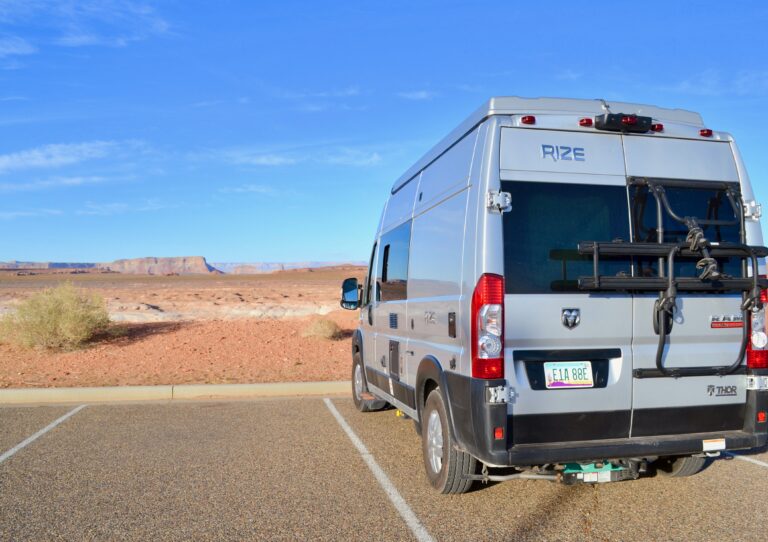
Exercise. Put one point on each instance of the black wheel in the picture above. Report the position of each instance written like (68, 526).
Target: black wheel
(445, 465)
(681, 466)
(360, 388)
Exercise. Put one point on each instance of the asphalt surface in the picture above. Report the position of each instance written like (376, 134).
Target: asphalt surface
(284, 469)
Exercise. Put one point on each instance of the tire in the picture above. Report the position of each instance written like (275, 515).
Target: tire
(360, 386)
(444, 463)
(677, 467)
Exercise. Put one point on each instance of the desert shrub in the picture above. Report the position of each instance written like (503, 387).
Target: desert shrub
(60, 318)
(322, 329)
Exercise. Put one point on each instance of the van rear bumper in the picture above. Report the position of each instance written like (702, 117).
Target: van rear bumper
(534, 454)
(474, 421)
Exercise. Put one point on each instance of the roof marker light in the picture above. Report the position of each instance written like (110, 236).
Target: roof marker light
(528, 119)
(658, 127)
(705, 132)
(629, 120)
(586, 122)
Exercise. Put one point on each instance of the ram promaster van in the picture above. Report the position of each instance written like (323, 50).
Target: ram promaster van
(568, 290)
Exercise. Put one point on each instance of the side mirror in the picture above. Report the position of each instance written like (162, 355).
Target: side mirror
(350, 294)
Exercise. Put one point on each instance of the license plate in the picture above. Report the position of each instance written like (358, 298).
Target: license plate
(568, 374)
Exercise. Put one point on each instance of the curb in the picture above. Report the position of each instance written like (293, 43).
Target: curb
(20, 396)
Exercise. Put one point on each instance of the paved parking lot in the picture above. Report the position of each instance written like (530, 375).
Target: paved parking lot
(285, 469)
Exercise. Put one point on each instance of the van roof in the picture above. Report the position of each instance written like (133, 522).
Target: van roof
(512, 105)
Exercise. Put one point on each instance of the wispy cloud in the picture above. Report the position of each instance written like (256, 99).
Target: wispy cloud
(328, 154)
(569, 75)
(11, 215)
(13, 99)
(417, 95)
(81, 23)
(55, 182)
(56, 155)
(353, 157)
(118, 208)
(248, 189)
(346, 92)
(15, 46)
(255, 158)
(713, 83)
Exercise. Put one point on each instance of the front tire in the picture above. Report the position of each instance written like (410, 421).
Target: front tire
(360, 387)
(678, 467)
(446, 466)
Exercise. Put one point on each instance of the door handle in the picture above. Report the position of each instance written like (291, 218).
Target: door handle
(370, 314)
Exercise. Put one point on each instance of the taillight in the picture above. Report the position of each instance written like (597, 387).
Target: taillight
(488, 327)
(757, 347)
(629, 120)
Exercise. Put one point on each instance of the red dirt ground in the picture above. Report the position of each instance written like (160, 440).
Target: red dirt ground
(193, 329)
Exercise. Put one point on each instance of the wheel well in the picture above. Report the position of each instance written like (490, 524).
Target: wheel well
(429, 386)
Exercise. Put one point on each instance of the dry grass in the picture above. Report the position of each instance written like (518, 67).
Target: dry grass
(56, 318)
(322, 329)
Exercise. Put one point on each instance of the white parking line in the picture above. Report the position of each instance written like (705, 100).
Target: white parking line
(417, 528)
(746, 458)
(40, 433)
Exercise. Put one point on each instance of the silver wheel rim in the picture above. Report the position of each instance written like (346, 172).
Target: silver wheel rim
(435, 441)
(358, 381)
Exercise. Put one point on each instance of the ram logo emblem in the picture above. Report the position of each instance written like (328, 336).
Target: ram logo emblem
(570, 318)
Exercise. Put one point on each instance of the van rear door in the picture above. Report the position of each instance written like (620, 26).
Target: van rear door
(568, 352)
(706, 328)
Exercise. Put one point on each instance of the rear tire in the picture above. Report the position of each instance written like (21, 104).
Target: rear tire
(445, 465)
(678, 467)
(360, 386)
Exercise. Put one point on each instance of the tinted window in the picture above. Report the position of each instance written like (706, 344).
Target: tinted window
(393, 269)
(685, 202)
(545, 225)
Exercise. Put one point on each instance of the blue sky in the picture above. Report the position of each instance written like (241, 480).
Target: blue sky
(256, 131)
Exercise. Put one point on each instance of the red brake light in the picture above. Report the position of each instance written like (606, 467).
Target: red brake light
(762, 416)
(488, 327)
(658, 127)
(586, 122)
(705, 132)
(528, 119)
(629, 120)
(757, 350)
(498, 432)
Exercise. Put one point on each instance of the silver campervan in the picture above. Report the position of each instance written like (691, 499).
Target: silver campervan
(569, 290)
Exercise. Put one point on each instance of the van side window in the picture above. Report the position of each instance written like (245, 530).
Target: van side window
(545, 226)
(369, 277)
(393, 269)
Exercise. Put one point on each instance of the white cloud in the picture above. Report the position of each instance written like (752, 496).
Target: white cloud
(56, 155)
(79, 23)
(261, 159)
(712, 83)
(11, 215)
(417, 95)
(347, 92)
(248, 189)
(14, 46)
(569, 75)
(55, 182)
(108, 209)
(14, 99)
(352, 157)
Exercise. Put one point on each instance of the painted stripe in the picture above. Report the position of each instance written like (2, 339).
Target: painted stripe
(40, 433)
(746, 458)
(417, 528)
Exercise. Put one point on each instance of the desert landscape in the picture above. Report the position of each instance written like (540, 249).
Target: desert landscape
(187, 324)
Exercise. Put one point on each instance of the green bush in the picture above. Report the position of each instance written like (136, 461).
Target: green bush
(322, 329)
(58, 318)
